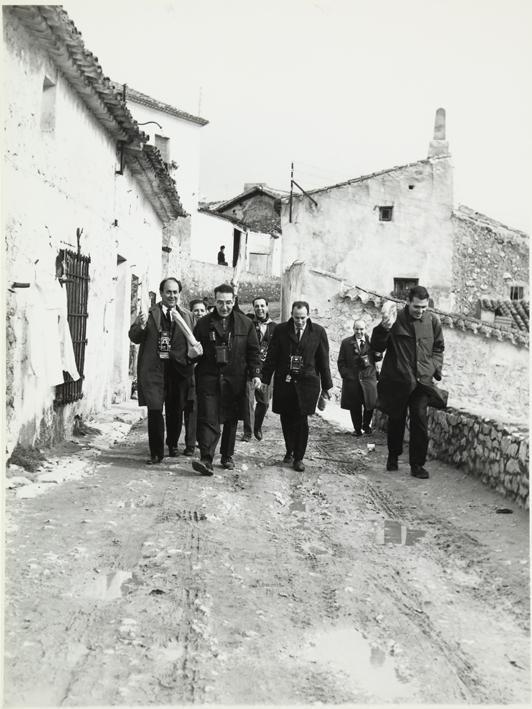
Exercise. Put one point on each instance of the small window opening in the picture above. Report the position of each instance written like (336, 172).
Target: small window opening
(517, 292)
(48, 105)
(401, 286)
(385, 214)
(411, 187)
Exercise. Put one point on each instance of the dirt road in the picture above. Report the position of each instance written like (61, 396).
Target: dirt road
(151, 585)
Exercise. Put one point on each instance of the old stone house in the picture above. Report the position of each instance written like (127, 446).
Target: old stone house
(255, 218)
(392, 229)
(87, 204)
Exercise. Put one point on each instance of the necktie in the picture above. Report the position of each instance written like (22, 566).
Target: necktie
(299, 334)
(360, 344)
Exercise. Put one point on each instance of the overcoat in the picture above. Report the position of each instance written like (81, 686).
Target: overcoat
(414, 355)
(355, 375)
(150, 368)
(228, 382)
(315, 374)
(263, 397)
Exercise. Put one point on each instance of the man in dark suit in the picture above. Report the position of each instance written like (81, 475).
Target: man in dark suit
(165, 366)
(230, 355)
(258, 401)
(356, 365)
(299, 356)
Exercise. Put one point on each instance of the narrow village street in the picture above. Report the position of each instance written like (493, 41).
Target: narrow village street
(130, 584)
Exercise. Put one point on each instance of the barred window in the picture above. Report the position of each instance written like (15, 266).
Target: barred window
(517, 292)
(75, 278)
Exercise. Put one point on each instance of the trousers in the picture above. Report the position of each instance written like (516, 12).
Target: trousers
(295, 432)
(256, 406)
(217, 416)
(417, 408)
(176, 388)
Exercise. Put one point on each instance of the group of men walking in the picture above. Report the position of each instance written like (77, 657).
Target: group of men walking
(212, 369)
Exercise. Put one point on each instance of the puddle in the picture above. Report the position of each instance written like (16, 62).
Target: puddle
(297, 506)
(107, 587)
(397, 533)
(370, 672)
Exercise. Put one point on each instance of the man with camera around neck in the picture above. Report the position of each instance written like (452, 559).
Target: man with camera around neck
(298, 360)
(230, 355)
(165, 366)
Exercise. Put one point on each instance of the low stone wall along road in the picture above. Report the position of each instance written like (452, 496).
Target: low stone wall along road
(131, 584)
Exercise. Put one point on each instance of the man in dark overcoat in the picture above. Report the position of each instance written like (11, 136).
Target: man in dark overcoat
(356, 365)
(164, 367)
(230, 355)
(299, 356)
(257, 400)
(414, 357)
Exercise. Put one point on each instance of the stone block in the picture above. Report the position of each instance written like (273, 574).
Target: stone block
(512, 466)
(505, 444)
(523, 452)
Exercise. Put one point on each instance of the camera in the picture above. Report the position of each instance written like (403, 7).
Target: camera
(364, 359)
(164, 345)
(296, 364)
(222, 354)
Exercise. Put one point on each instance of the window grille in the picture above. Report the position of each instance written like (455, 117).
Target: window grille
(517, 293)
(385, 214)
(75, 279)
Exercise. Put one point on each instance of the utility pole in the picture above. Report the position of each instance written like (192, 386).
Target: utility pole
(292, 183)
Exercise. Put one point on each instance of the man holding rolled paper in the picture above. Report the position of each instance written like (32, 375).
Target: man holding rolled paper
(165, 367)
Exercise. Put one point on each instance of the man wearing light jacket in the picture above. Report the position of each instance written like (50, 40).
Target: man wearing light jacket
(414, 358)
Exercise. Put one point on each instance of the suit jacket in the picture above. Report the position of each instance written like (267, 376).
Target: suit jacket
(355, 376)
(150, 367)
(243, 358)
(315, 374)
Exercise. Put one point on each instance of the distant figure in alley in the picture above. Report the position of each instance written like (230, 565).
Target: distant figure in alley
(414, 345)
(165, 366)
(356, 365)
(221, 256)
(230, 355)
(298, 356)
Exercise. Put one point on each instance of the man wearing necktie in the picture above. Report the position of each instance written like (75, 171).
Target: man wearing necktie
(165, 367)
(298, 359)
(356, 365)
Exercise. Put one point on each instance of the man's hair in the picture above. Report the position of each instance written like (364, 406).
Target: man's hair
(418, 292)
(195, 302)
(170, 278)
(222, 246)
(358, 320)
(224, 288)
(260, 297)
(300, 304)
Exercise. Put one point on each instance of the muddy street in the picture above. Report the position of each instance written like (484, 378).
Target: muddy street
(131, 584)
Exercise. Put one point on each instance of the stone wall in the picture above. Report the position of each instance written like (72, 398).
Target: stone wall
(488, 257)
(494, 452)
(202, 277)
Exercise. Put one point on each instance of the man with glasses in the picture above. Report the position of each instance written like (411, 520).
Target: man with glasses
(230, 355)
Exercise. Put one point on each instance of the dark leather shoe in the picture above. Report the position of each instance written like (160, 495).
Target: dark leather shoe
(203, 466)
(289, 458)
(391, 463)
(154, 460)
(257, 432)
(299, 466)
(189, 450)
(418, 471)
(246, 438)
(228, 463)
(173, 452)
(357, 432)
(368, 431)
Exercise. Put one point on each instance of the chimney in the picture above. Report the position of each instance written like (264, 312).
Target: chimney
(250, 185)
(439, 147)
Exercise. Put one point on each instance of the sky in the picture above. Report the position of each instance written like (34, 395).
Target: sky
(340, 87)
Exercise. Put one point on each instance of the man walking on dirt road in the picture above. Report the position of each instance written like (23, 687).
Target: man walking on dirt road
(257, 400)
(230, 355)
(165, 366)
(299, 356)
(414, 357)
